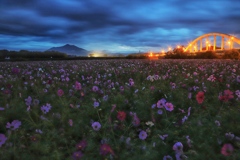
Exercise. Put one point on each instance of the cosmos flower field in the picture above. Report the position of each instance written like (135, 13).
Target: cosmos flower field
(120, 109)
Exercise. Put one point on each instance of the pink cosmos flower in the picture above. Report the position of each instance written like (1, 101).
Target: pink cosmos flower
(227, 95)
(121, 115)
(169, 106)
(105, 149)
(60, 92)
(78, 85)
(227, 149)
(81, 145)
(200, 97)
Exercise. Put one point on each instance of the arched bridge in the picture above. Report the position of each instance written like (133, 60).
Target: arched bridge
(197, 44)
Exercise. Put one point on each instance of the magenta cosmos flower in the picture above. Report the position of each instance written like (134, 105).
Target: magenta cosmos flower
(227, 149)
(96, 126)
(169, 106)
(60, 92)
(78, 85)
(14, 125)
(81, 145)
(142, 135)
(105, 149)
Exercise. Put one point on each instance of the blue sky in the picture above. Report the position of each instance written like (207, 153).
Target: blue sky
(115, 26)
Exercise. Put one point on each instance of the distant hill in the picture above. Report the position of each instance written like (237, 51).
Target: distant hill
(70, 50)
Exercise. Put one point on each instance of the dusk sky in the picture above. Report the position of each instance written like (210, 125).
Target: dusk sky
(116, 26)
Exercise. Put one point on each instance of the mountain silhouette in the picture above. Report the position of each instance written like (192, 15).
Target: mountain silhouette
(70, 50)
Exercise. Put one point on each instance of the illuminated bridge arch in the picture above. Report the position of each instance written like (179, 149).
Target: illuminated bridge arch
(197, 44)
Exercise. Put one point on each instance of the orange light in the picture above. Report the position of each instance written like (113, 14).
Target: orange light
(150, 55)
(169, 48)
(229, 42)
(178, 46)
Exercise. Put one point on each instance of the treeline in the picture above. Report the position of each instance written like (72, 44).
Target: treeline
(228, 54)
(180, 54)
(25, 54)
(137, 56)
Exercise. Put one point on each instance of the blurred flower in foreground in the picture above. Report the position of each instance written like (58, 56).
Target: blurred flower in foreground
(3, 139)
(227, 149)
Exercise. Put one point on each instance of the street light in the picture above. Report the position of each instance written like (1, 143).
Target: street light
(229, 43)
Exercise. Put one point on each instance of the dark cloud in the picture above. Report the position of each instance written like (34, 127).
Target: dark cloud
(113, 25)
